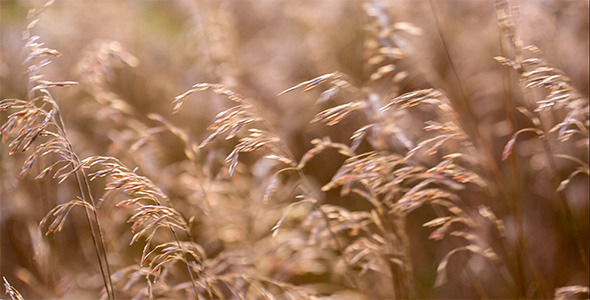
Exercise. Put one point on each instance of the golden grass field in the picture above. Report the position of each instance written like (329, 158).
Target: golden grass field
(313, 149)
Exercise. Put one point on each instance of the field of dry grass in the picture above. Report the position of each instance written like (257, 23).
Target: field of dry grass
(294, 149)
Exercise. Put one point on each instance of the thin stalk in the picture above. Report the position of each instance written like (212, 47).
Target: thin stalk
(474, 120)
(185, 258)
(52, 274)
(408, 270)
(517, 45)
(408, 290)
(86, 195)
(190, 273)
(95, 231)
(510, 38)
(514, 172)
(563, 201)
(98, 241)
(565, 207)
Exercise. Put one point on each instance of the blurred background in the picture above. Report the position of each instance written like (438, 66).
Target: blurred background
(260, 48)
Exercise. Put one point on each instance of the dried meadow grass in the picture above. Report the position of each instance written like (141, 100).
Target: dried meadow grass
(383, 181)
